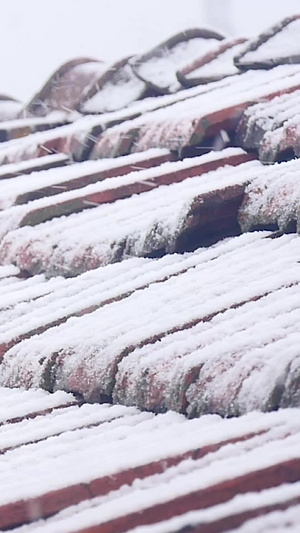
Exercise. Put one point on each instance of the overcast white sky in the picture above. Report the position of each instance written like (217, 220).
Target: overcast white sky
(36, 36)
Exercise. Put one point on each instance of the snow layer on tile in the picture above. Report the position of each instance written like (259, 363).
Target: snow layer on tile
(66, 87)
(241, 459)
(161, 69)
(137, 224)
(257, 85)
(52, 119)
(107, 446)
(166, 365)
(239, 504)
(238, 85)
(96, 288)
(265, 125)
(272, 198)
(60, 298)
(23, 149)
(241, 88)
(14, 296)
(250, 373)
(282, 45)
(118, 93)
(17, 403)
(153, 103)
(222, 65)
(93, 344)
(66, 297)
(286, 521)
(173, 126)
(10, 189)
(7, 282)
(132, 439)
(19, 168)
(282, 142)
(161, 102)
(59, 421)
(83, 229)
(155, 375)
(271, 115)
(8, 270)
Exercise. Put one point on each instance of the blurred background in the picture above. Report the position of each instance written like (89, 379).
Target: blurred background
(38, 35)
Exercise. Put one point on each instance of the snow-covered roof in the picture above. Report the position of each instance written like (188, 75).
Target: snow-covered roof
(149, 282)
(114, 468)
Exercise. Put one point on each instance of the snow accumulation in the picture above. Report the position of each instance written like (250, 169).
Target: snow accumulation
(158, 375)
(133, 226)
(172, 126)
(113, 282)
(116, 343)
(271, 115)
(117, 93)
(282, 45)
(263, 125)
(53, 119)
(243, 88)
(10, 189)
(107, 232)
(114, 429)
(18, 291)
(273, 200)
(160, 70)
(66, 88)
(278, 521)
(131, 440)
(7, 271)
(47, 303)
(65, 419)
(153, 103)
(249, 503)
(222, 65)
(16, 404)
(26, 167)
(145, 387)
(51, 182)
(25, 148)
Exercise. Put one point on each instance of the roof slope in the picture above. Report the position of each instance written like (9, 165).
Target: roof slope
(149, 262)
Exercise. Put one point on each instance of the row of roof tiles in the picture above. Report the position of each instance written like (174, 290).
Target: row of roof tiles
(196, 347)
(142, 469)
(188, 58)
(173, 206)
(189, 120)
